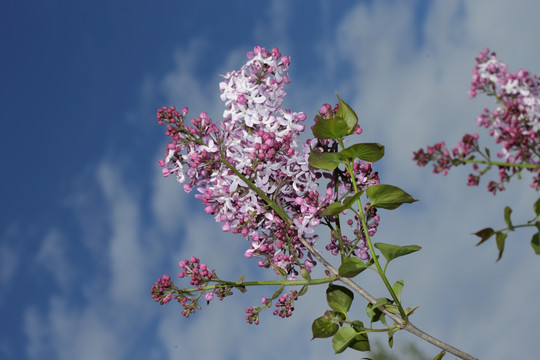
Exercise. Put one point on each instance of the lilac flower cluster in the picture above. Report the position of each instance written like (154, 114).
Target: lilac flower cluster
(443, 159)
(256, 146)
(160, 291)
(515, 123)
(258, 139)
(285, 304)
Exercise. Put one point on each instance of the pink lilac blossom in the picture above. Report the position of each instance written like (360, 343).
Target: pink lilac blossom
(258, 140)
(514, 124)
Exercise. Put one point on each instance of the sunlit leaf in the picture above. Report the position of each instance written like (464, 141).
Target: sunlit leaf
(500, 237)
(330, 128)
(535, 243)
(337, 207)
(347, 113)
(360, 343)
(351, 267)
(325, 161)
(507, 213)
(536, 207)
(339, 298)
(391, 252)
(440, 355)
(370, 152)
(398, 286)
(323, 327)
(388, 196)
(343, 338)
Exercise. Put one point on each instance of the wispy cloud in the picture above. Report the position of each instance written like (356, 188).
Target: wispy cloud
(52, 256)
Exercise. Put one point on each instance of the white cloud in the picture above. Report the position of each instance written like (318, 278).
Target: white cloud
(52, 257)
(66, 333)
(410, 97)
(407, 96)
(126, 254)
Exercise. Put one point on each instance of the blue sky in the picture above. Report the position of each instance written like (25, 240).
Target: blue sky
(88, 223)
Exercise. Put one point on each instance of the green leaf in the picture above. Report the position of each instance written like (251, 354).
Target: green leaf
(391, 252)
(343, 338)
(397, 288)
(337, 207)
(357, 325)
(388, 196)
(391, 336)
(326, 161)
(339, 298)
(323, 327)
(440, 355)
(347, 113)
(535, 243)
(372, 310)
(360, 343)
(536, 207)
(500, 237)
(367, 151)
(507, 212)
(330, 128)
(351, 267)
(484, 234)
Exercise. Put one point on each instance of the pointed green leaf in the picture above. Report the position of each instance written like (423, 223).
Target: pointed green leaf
(397, 288)
(323, 327)
(337, 207)
(357, 325)
(535, 243)
(330, 128)
(507, 212)
(351, 267)
(339, 298)
(370, 152)
(536, 207)
(391, 336)
(372, 310)
(388, 196)
(347, 113)
(500, 237)
(325, 161)
(484, 234)
(343, 338)
(360, 343)
(440, 355)
(391, 252)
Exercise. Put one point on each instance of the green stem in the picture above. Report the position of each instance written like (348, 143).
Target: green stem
(505, 164)
(381, 272)
(222, 283)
